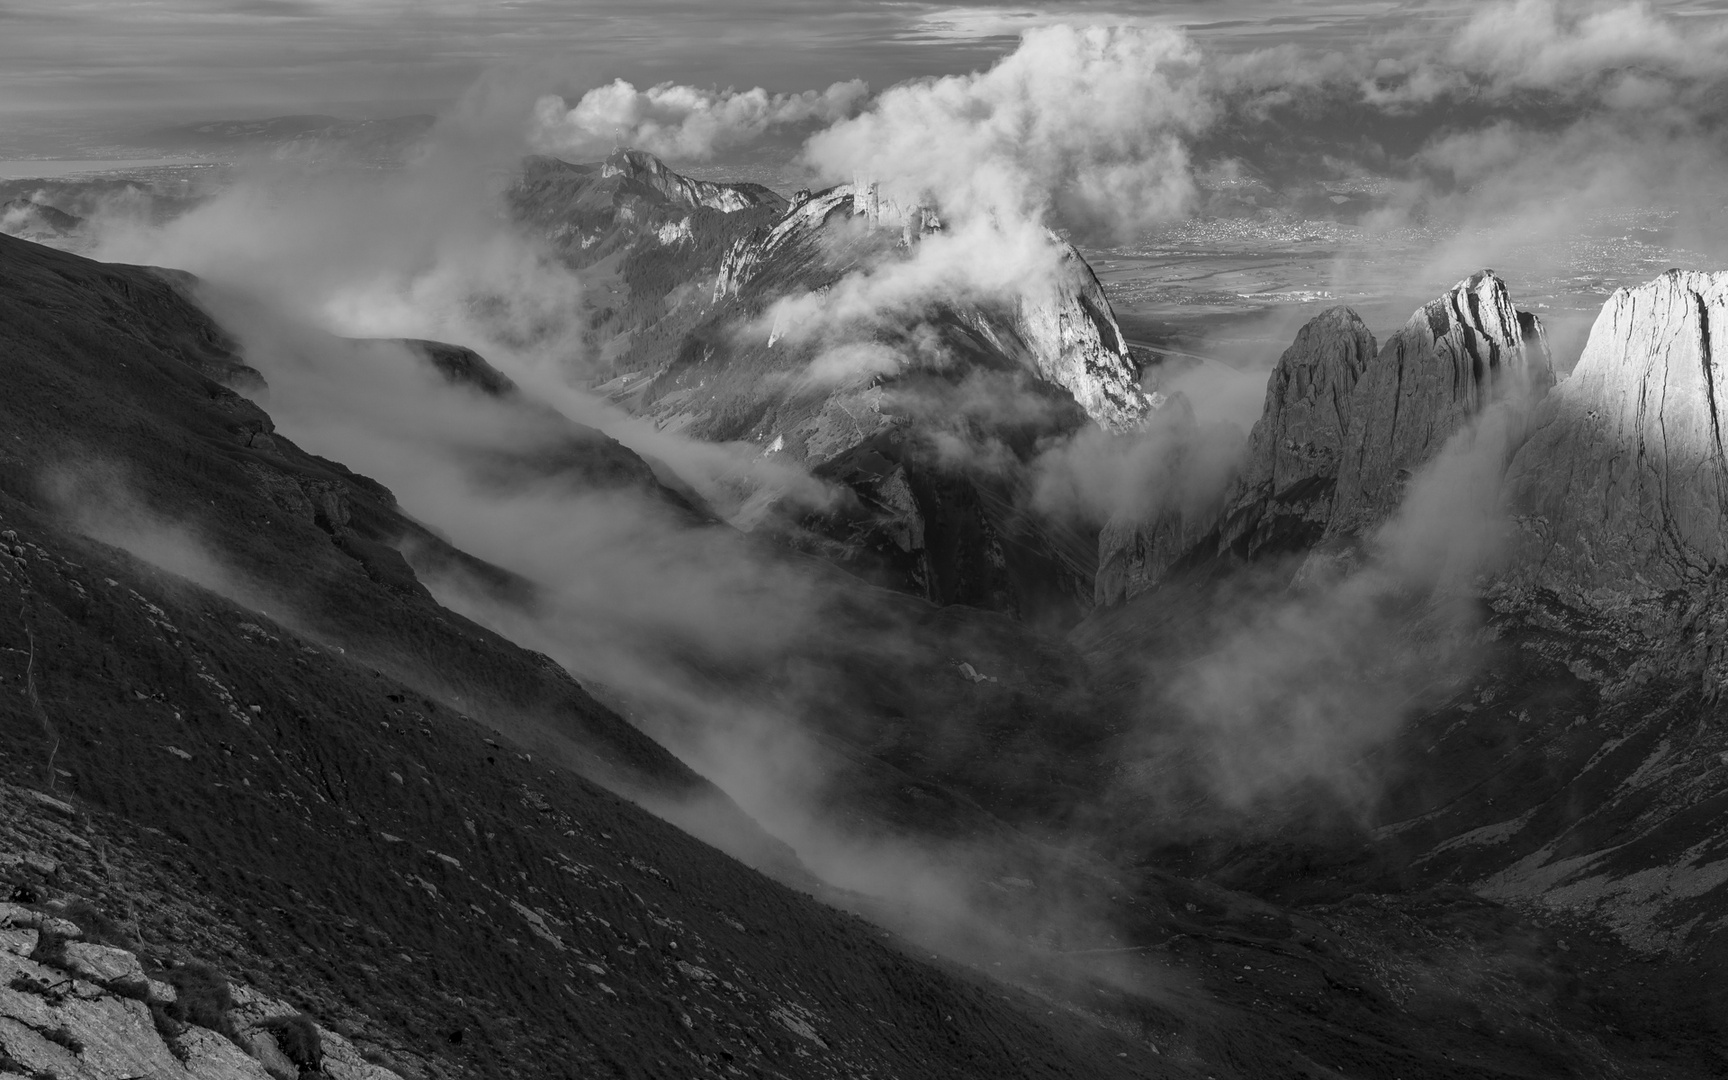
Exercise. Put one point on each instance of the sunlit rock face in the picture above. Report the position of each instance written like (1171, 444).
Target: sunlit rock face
(1622, 486)
(1455, 355)
(1076, 343)
(1065, 328)
(650, 171)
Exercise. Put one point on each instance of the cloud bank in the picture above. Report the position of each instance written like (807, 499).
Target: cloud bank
(680, 123)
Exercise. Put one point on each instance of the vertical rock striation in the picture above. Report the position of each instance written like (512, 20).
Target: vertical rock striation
(1622, 486)
(1345, 426)
(1283, 498)
(1076, 344)
(1455, 355)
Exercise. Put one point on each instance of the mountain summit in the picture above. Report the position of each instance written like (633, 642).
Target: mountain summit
(644, 168)
(1622, 486)
(1345, 426)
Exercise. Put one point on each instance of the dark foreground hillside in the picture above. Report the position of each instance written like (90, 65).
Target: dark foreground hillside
(309, 799)
(265, 747)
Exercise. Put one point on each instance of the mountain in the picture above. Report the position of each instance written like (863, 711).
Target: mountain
(276, 755)
(1623, 482)
(646, 170)
(1554, 737)
(1345, 426)
(902, 509)
(31, 220)
(282, 757)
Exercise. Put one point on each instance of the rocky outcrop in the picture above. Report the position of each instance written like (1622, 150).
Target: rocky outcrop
(749, 255)
(82, 1010)
(650, 171)
(1455, 355)
(1283, 498)
(1622, 486)
(1067, 330)
(1075, 343)
(1344, 428)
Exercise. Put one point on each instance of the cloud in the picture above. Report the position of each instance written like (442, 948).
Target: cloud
(1601, 49)
(680, 123)
(1180, 460)
(1081, 127)
(1285, 692)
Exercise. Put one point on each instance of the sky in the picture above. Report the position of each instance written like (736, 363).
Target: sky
(198, 58)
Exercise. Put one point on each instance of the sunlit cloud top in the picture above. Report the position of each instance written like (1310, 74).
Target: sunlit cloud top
(228, 57)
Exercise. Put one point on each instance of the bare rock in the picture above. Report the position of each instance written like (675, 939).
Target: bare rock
(210, 1056)
(103, 964)
(1622, 485)
(650, 171)
(116, 1035)
(19, 917)
(1453, 357)
(43, 1057)
(343, 1062)
(1343, 429)
(18, 942)
(1077, 344)
(1283, 499)
(262, 1045)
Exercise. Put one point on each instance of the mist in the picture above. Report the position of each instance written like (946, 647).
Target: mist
(727, 649)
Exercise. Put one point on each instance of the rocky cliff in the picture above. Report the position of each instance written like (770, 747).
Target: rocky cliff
(79, 1008)
(1284, 496)
(1066, 331)
(1345, 426)
(1456, 354)
(1076, 344)
(649, 171)
(1622, 486)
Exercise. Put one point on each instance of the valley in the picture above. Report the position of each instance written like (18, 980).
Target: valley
(1170, 550)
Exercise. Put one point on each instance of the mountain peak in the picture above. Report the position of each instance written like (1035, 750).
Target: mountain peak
(1456, 353)
(1623, 484)
(646, 169)
(1346, 425)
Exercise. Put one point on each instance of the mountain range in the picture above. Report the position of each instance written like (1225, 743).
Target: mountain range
(1397, 752)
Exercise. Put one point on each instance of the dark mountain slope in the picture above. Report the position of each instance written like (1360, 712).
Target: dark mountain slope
(118, 406)
(312, 783)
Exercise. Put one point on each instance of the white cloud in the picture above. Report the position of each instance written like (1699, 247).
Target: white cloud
(680, 122)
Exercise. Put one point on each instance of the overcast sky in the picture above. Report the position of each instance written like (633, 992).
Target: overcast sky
(233, 57)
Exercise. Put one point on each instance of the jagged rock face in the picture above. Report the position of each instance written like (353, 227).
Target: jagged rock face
(1622, 486)
(1058, 350)
(1076, 343)
(1454, 355)
(650, 171)
(748, 255)
(1068, 332)
(1344, 428)
(1284, 496)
